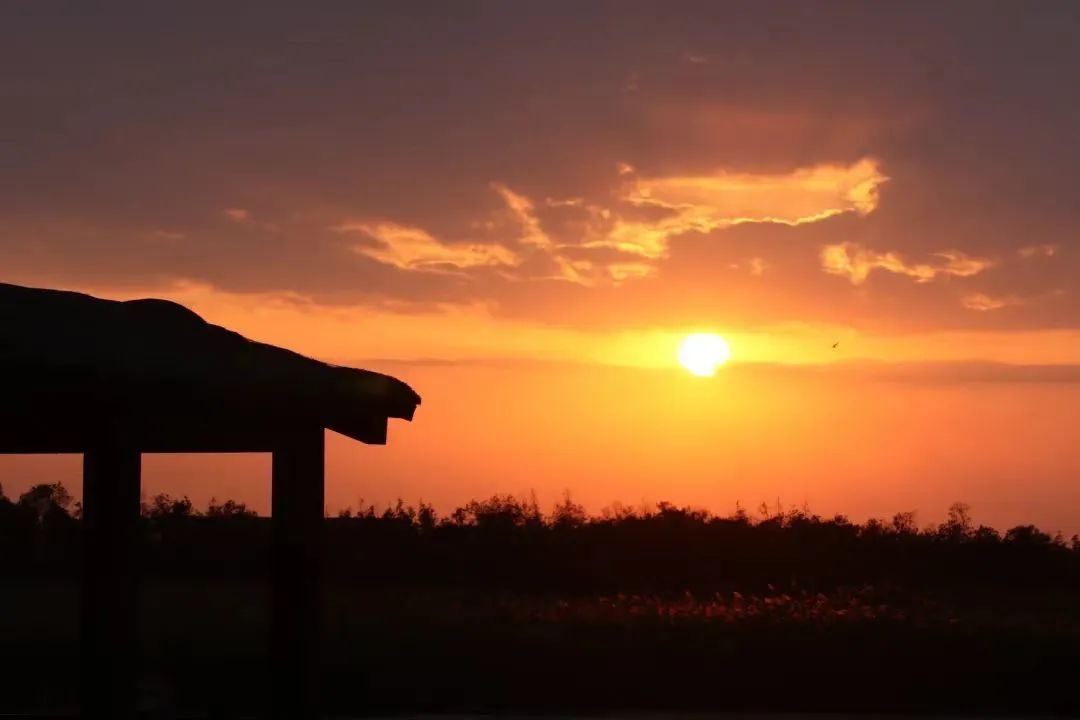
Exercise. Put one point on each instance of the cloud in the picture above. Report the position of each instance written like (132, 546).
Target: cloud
(648, 212)
(756, 266)
(623, 236)
(531, 234)
(1031, 251)
(597, 232)
(237, 214)
(525, 251)
(645, 239)
(804, 195)
(524, 212)
(618, 272)
(694, 58)
(984, 303)
(671, 205)
(412, 248)
(857, 262)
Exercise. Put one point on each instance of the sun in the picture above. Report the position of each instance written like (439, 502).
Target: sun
(702, 353)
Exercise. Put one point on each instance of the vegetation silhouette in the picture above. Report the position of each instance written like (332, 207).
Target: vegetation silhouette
(499, 606)
(507, 542)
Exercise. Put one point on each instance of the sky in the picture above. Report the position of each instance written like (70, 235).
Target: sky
(521, 208)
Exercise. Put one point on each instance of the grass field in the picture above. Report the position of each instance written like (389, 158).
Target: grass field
(438, 650)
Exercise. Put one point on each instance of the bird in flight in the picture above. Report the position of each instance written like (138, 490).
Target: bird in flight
(835, 344)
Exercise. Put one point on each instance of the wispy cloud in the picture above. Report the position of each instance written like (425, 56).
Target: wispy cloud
(620, 271)
(237, 214)
(856, 262)
(756, 266)
(412, 248)
(985, 303)
(1032, 251)
(524, 212)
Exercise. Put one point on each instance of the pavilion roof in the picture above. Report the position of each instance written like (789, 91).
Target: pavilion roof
(142, 359)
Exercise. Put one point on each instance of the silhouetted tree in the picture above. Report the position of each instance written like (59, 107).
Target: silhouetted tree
(46, 501)
(957, 526)
(1027, 536)
(228, 509)
(165, 507)
(567, 513)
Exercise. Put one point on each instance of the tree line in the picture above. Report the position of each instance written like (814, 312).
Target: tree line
(508, 542)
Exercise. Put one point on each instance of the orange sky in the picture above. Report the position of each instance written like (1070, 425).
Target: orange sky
(525, 229)
(860, 440)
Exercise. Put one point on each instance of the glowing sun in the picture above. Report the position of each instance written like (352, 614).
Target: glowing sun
(702, 353)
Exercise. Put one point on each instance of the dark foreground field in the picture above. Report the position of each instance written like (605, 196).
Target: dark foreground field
(399, 651)
(500, 608)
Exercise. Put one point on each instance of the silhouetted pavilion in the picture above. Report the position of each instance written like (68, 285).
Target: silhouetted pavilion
(112, 380)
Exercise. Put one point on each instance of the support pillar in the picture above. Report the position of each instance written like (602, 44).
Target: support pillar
(109, 673)
(297, 506)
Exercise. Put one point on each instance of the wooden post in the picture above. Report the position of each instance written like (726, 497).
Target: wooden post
(109, 682)
(297, 506)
